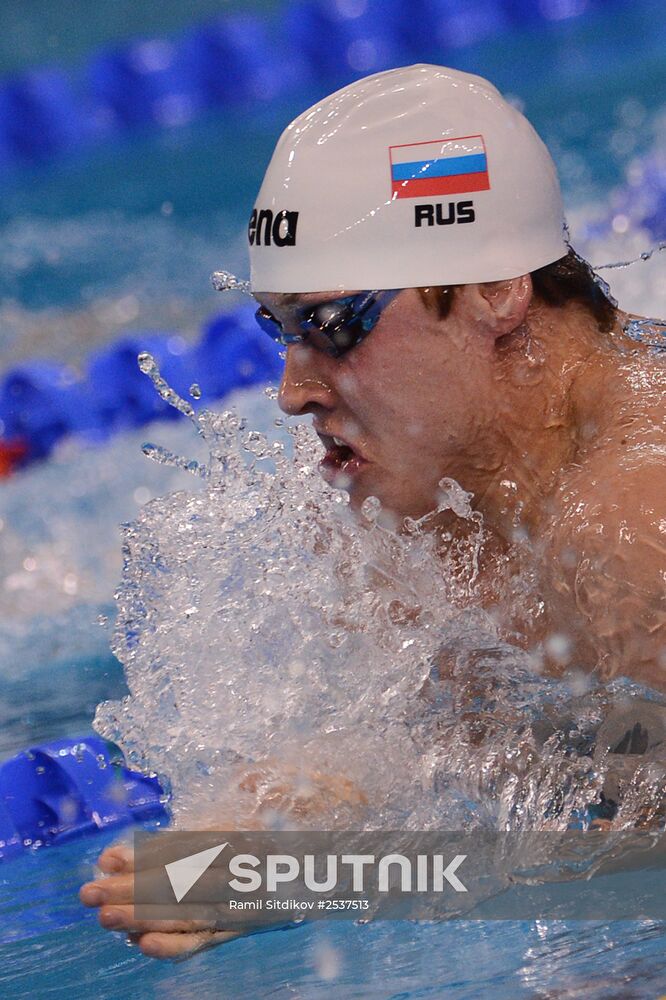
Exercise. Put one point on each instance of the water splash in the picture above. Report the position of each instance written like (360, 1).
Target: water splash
(646, 255)
(260, 626)
(224, 281)
(597, 279)
(603, 285)
(648, 331)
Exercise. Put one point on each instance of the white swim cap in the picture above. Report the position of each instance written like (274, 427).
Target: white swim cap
(417, 176)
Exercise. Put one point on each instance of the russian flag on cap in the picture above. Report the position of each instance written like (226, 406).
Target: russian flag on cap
(439, 167)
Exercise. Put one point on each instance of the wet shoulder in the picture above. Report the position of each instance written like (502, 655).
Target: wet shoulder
(615, 486)
(607, 530)
(625, 409)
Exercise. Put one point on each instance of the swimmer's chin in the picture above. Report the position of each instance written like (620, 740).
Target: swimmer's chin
(341, 479)
(359, 488)
(387, 517)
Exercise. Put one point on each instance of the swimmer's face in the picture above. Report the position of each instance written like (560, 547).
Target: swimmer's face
(404, 402)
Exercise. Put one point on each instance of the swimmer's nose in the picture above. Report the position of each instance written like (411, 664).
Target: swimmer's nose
(304, 384)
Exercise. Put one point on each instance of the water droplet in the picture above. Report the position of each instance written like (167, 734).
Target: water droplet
(371, 509)
(225, 281)
(328, 961)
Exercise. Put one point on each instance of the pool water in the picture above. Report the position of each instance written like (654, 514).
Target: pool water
(48, 948)
(126, 239)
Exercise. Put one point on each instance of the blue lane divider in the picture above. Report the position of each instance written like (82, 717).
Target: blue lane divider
(39, 116)
(241, 58)
(42, 402)
(70, 788)
(38, 405)
(236, 59)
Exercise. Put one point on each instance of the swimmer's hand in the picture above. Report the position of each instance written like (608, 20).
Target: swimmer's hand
(268, 787)
(114, 896)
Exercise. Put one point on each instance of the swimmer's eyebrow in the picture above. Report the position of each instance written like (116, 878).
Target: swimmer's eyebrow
(287, 298)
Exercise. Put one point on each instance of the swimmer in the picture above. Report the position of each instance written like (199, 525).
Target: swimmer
(408, 248)
(438, 324)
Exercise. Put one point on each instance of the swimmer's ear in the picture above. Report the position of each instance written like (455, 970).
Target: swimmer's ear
(498, 306)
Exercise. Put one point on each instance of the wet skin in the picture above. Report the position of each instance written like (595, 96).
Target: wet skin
(558, 431)
(114, 896)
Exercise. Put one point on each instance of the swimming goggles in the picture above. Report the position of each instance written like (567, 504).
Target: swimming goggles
(334, 327)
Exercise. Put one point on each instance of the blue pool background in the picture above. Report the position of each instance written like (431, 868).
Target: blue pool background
(116, 233)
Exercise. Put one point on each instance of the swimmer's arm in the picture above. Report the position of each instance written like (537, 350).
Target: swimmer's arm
(641, 850)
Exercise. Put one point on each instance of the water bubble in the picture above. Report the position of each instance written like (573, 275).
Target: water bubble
(327, 961)
(558, 647)
(195, 391)
(371, 509)
(224, 281)
(453, 497)
(68, 809)
(141, 494)
(145, 361)
(296, 668)
(149, 367)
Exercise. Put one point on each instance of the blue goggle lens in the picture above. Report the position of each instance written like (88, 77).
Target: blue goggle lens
(334, 327)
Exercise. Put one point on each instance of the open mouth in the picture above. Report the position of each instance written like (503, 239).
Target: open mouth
(340, 462)
(339, 454)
